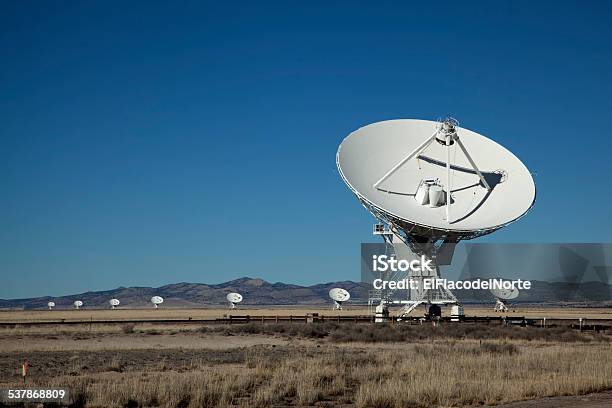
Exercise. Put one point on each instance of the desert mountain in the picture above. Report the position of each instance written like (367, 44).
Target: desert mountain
(255, 291)
(260, 292)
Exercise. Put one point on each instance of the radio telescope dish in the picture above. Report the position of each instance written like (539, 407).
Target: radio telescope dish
(51, 305)
(489, 186)
(157, 300)
(506, 294)
(233, 298)
(114, 303)
(77, 304)
(501, 295)
(339, 295)
(429, 184)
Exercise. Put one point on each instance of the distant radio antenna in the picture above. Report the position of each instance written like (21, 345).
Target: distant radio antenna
(503, 295)
(233, 299)
(157, 300)
(339, 296)
(114, 303)
(77, 304)
(51, 305)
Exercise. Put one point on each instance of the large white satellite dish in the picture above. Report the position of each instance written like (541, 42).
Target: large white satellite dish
(51, 305)
(502, 295)
(157, 300)
(433, 183)
(368, 161)
(114, 303)
(233, 298)
(77, 304)
(339, 295)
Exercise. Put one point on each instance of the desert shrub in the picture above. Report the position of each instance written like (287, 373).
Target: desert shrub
(128, 328)
(114, 364)
(314, 331)
(406, 332)
(499, 348)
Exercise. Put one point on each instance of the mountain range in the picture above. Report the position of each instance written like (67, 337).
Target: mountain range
(260, 292)
(254, 290)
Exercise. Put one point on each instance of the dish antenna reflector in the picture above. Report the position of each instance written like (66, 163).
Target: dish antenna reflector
(51, 305)
(339, 295)
(157, 300)
(501, 296)
(114, 303)
(233, 298)
(430, 185)
(77, 304)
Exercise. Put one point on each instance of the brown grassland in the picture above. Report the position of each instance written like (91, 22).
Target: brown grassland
(211, 313)
(321, 364)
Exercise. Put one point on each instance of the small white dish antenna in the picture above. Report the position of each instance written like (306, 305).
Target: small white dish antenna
(51, 305)
(339, 295)
(501, 296)
(114, 303)
(233, 298)
(77, 304)
(157, 300)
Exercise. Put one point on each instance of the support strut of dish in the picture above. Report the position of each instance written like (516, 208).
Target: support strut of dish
(419, 243)
(446, 134)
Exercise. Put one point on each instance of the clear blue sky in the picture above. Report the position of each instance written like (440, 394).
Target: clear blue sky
(150, 143)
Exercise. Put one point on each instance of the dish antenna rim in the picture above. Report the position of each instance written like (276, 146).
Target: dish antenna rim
(339, 294)
(234, 297)
(505, 294)
(157, 300)
(434, 229)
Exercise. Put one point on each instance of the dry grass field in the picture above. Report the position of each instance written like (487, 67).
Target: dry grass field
(536, 312)
(322, 364)
(205, 313)
(164, 313)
